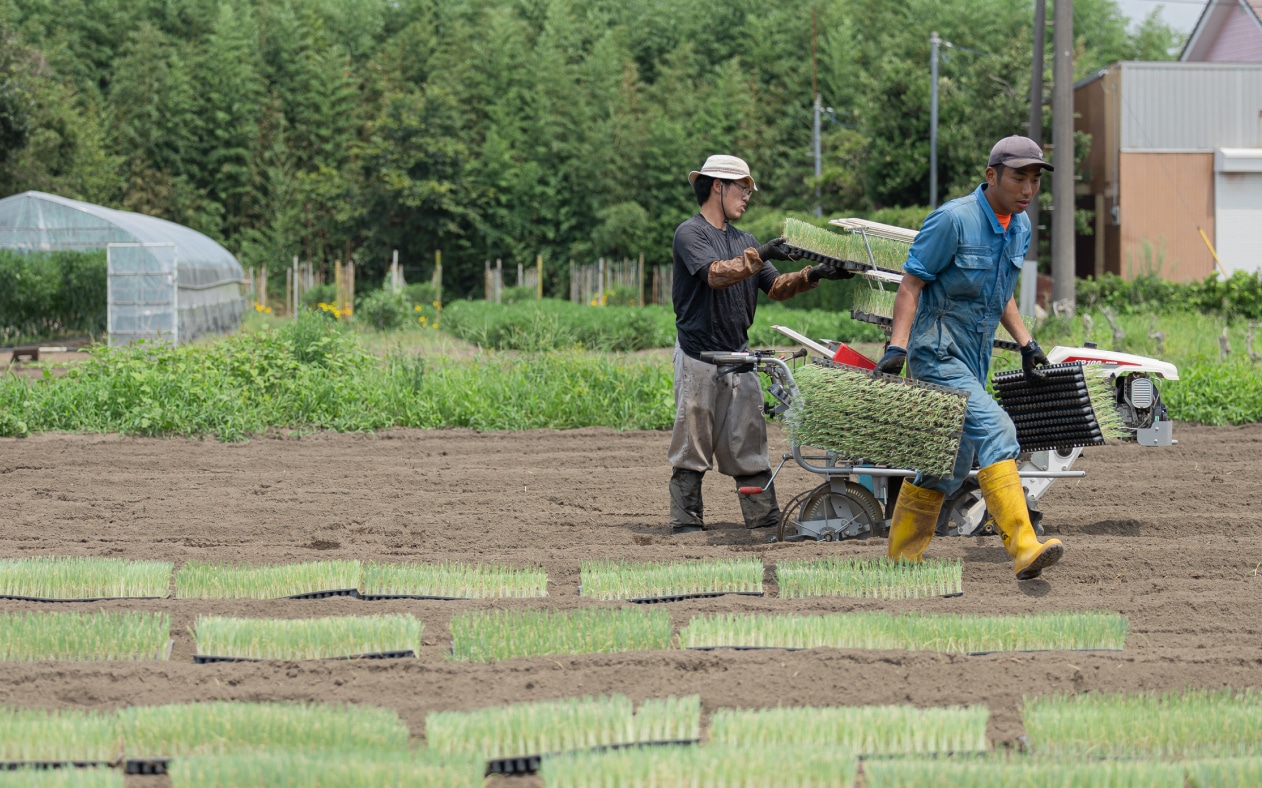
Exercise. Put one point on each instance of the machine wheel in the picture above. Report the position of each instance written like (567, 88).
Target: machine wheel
(856, 506)
(959, 511)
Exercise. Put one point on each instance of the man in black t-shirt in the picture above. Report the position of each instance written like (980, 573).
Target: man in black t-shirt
(718, 411)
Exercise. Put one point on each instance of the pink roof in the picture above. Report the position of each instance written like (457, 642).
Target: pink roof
(1229, 31)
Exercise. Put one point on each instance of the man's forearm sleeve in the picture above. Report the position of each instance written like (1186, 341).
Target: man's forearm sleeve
(725, 273)
(788, 285)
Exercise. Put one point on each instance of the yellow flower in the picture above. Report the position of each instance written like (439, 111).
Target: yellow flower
(438, 304)
(417, 308)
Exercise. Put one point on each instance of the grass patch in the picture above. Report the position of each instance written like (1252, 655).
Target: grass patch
(493, 635)
(461, 581)
(61, 778)
(869, 578)
(785, 767)
(62, 735)
(220, 727)
(914, 632)
(1191, 724)
(559, 325)
(608, 579)
(345, 770)
(307, 638)
(202, 580)
(559, 726)
(855, 730)
(1228, 771)
(84, 578)
(83, 637)
(848, 246)
(882, 420)
(1015, 772)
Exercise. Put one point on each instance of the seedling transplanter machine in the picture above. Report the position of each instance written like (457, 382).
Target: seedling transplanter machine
(1090, 395)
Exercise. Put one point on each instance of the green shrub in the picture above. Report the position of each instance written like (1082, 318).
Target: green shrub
(45, 295)
(1239, 295)
(421, 293)
(320, 294)
(515, 295)
(557, 325)
(384, 309)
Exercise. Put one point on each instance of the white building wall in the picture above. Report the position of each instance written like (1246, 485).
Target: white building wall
(1190, 107)
(1238, 208)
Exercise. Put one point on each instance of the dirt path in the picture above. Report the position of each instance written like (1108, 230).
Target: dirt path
(1170, 537)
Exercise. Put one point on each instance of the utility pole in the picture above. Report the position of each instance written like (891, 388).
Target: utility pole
(934, 43)
(815, 92)
(1063, 144)
(1030, 271)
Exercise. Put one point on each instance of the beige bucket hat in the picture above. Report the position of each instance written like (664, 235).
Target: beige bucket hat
(728, 168)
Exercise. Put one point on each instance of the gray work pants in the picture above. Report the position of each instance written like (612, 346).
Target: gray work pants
(717, 419)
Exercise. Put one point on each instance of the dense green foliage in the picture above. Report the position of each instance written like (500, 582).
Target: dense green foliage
(310, 374)
(1237, 296)
(502, 128)
(48, 295)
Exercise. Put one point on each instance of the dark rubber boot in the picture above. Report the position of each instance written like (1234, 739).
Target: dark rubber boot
(760, 511)
(686, 509)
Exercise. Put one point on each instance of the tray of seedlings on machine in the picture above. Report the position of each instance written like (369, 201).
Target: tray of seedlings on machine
(1185, 725)
(946, 633)
(879, 419)
(224, 639)
(1072, 405)
(452, 581)
(855, 251)
(42, 739)
(84, 637)
(516, 739)
(869, 578)
(493, 635)
(348, 768)
(312, 580)
(89, 579)
(155, 736)
(669, 581)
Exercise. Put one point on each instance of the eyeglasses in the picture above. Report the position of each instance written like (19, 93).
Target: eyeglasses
(744, 189)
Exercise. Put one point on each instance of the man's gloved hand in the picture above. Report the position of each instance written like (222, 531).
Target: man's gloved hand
(1033, 357)
(829, 270)
(775, 249)
(892, 362)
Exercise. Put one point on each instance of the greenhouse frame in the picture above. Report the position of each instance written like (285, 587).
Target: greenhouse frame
(166, 282)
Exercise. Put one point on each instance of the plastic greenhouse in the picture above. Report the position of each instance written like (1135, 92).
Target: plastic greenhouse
(166, 282)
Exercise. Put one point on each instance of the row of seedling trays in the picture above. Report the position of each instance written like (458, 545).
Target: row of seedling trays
(96, 579)
(1205, 737)
(495, 635)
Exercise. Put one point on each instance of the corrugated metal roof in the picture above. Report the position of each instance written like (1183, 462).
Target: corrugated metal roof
(1190, 106)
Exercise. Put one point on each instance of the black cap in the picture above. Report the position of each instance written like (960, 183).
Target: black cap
(1017, 152)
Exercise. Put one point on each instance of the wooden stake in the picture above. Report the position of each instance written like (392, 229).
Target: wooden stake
(539, 284)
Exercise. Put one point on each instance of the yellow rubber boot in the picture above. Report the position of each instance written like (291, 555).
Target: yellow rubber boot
(913, 522)
(1005, 500)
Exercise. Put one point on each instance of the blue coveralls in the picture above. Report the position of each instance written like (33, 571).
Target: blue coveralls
(970, 265)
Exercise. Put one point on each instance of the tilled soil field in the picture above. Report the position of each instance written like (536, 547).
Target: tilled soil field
(1170, 537)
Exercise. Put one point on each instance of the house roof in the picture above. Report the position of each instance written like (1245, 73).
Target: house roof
(1227, 30)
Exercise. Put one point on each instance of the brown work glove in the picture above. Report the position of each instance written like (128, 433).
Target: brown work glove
(788, 285)
(725, 273)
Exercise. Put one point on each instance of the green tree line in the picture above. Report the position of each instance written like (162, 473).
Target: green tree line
(504, 128)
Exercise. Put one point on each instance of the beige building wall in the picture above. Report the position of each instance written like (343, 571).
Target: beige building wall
(1164, 198)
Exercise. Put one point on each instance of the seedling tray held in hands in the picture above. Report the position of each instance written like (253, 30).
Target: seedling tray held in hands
(850, 265)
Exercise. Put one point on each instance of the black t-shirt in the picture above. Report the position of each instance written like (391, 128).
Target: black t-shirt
(705, 318)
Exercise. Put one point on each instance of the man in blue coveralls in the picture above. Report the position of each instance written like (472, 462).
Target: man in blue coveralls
(957, 288)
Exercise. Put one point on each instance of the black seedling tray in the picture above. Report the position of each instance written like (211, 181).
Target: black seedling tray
(849, 265)
(529, 764)
(748, 648)
(146, 765)
(89, 599)
(653, 600)
(350, 592)
(1055, 413)
(1040, 651)
(8, 766)
(379, 597)
(206, 659)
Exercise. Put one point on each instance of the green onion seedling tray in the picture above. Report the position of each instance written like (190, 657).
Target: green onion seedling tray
(206, 659)
(379, 597)
(146, 765)
(8, 766)
(653, 600)
(849, 265)
(529, 764)
(89, 599)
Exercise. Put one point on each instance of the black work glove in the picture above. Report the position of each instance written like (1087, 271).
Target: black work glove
(775, 249)
(1033, 357)
(829, 270)
(892, 362)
